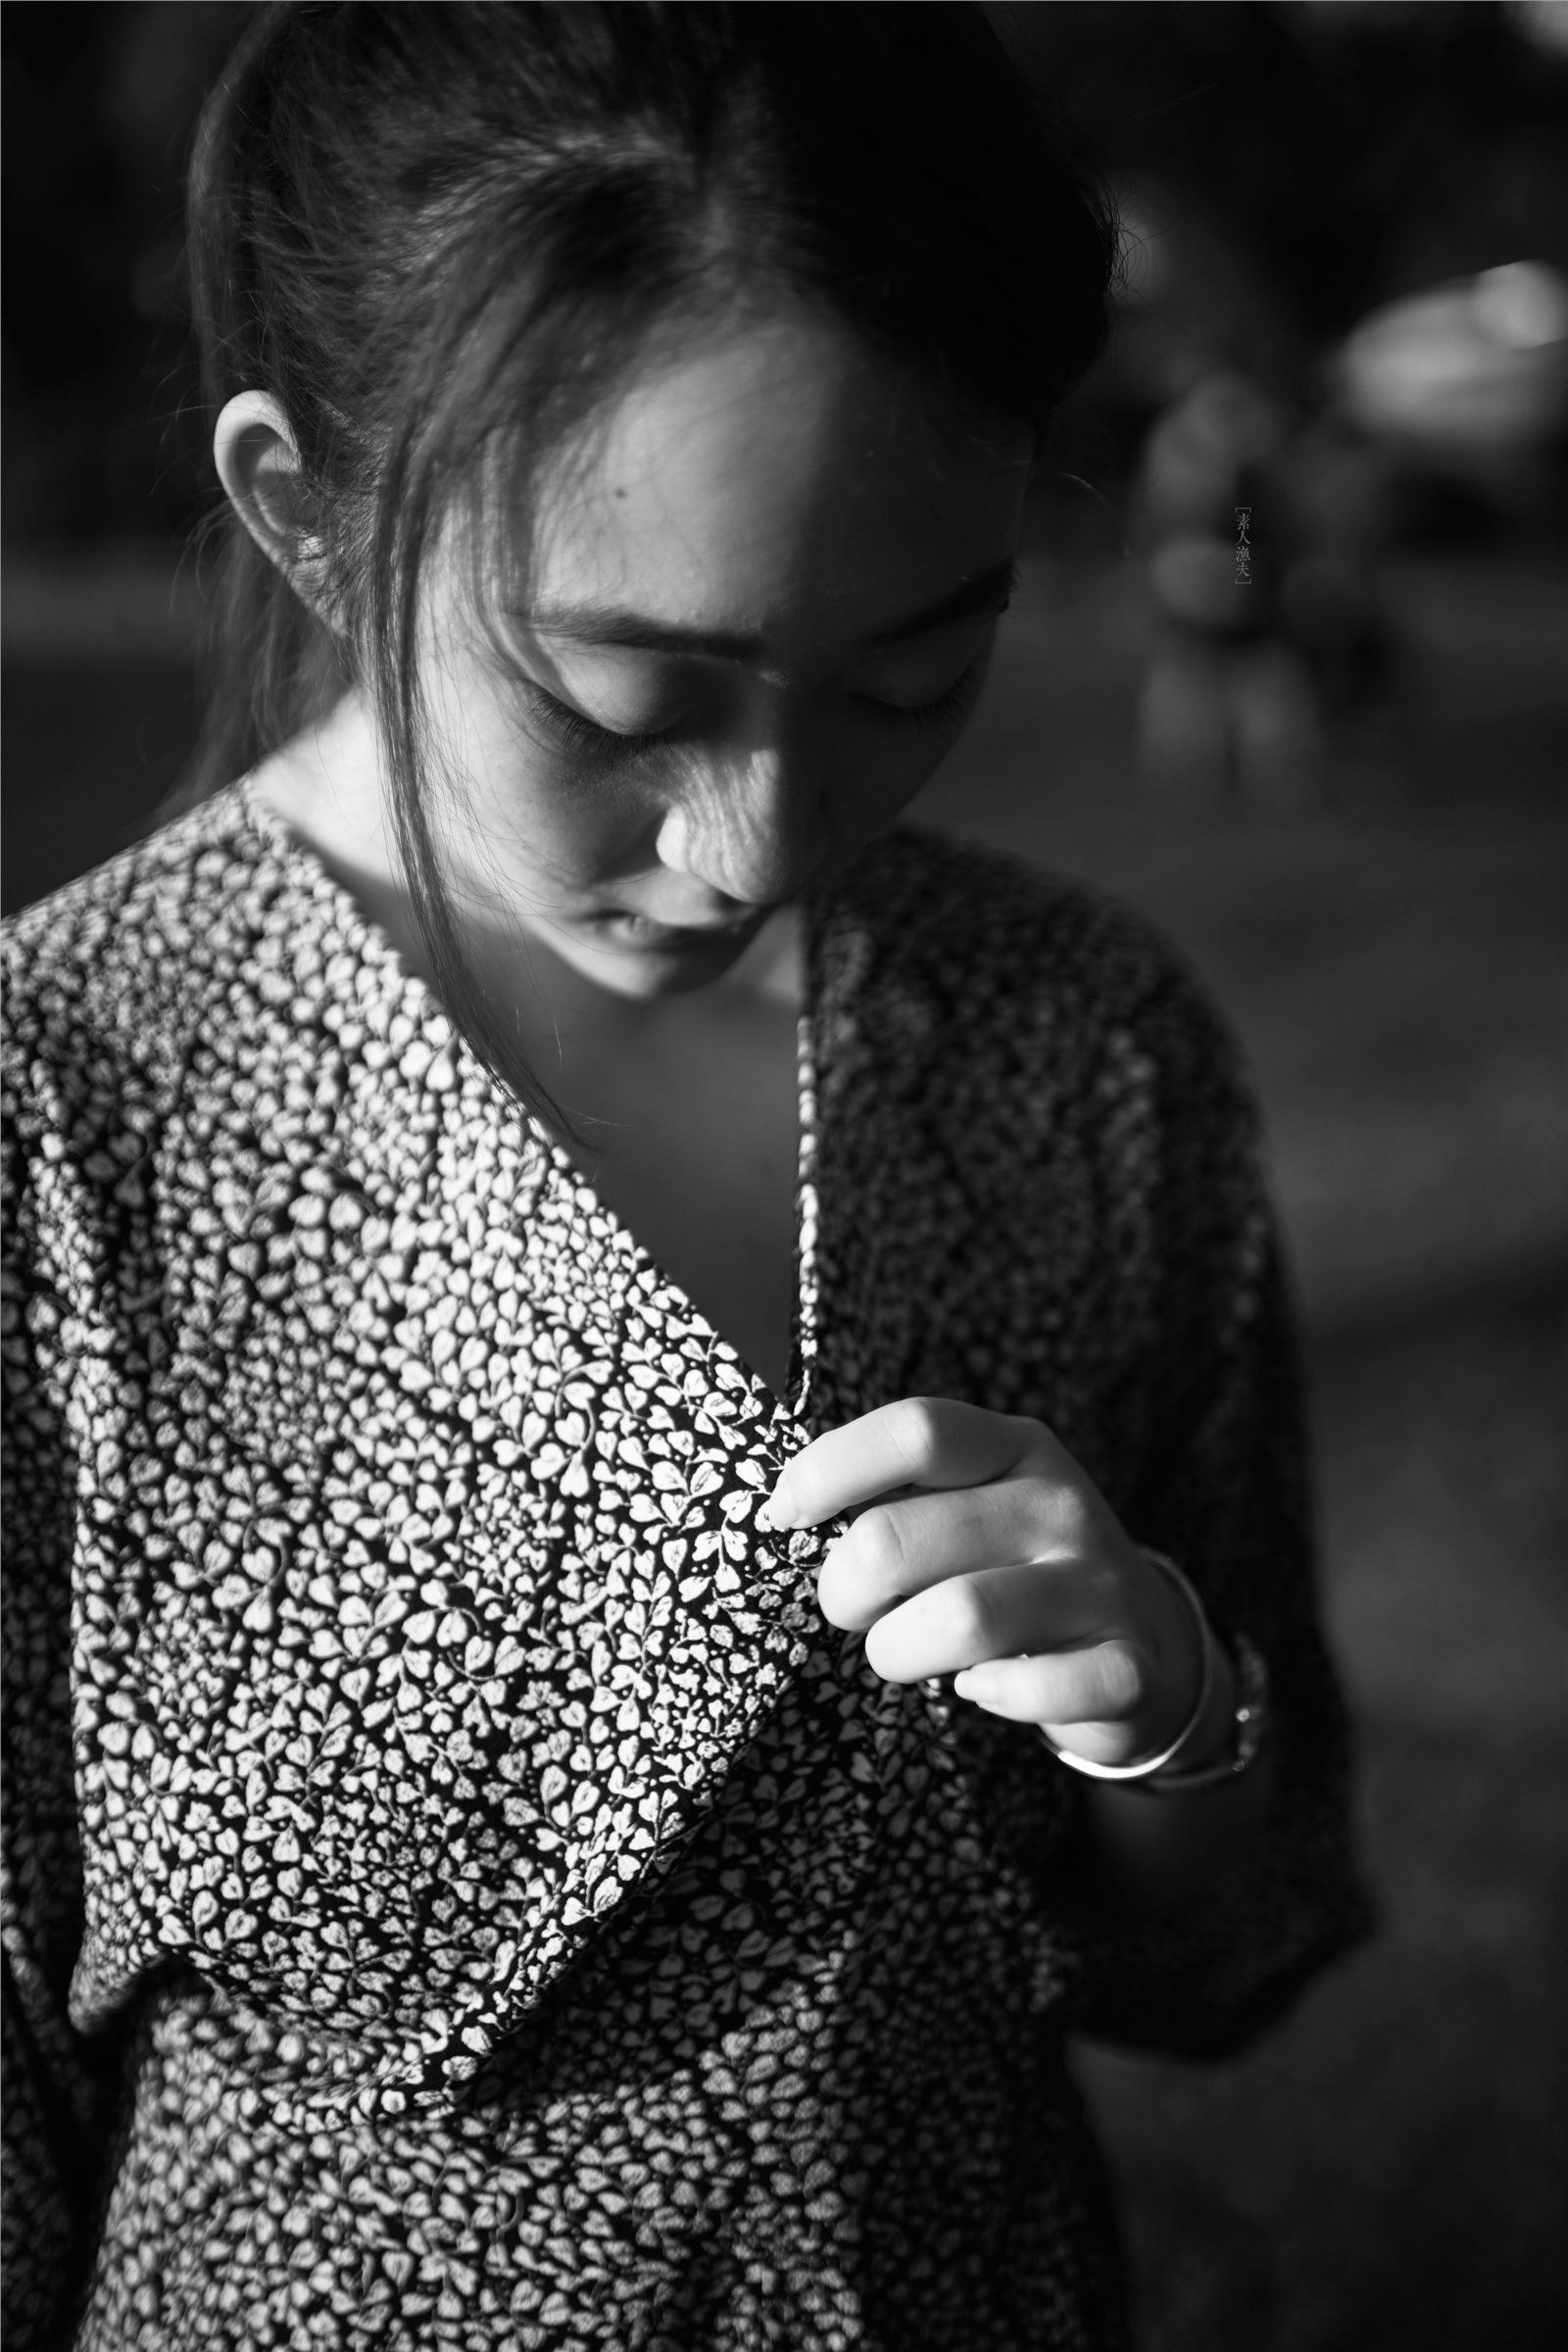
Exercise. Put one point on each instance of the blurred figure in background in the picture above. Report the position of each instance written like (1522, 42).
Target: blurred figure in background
(1335, 608)
(1260, 536)
(1227, 703)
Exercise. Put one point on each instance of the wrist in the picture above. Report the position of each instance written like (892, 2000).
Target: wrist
(1224, 1729)
(1188, 1648)
(1244, 1735)
(1208, 1732)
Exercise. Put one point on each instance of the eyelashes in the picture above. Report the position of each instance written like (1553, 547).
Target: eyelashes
(576, 733)
(949, 705)
(607, 745)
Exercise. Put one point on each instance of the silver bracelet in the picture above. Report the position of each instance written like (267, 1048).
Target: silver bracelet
(1248, 1727)
(1149, 1765)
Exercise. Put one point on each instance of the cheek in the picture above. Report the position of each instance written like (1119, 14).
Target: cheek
(547, 822)
(529, 808)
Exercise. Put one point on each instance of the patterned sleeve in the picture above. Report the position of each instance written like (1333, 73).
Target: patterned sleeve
(52, 2096)
(1225, 1491)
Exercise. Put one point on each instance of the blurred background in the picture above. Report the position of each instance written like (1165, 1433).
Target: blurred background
(1290, 671)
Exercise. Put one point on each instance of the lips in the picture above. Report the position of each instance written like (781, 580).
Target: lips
(642, 930)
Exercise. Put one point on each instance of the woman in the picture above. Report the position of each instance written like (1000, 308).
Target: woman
(657, 1497)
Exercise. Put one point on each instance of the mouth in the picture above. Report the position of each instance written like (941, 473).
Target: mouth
(622, 927)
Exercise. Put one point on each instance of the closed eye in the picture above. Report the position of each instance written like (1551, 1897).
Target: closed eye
(570, 728)
(948, 707)
(577, 734)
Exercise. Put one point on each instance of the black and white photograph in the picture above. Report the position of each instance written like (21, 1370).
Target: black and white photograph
(785, 1175)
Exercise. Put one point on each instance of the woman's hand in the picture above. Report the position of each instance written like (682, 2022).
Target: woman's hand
(982, 1550)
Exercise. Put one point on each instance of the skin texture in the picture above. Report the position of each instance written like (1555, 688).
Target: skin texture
(789, 504)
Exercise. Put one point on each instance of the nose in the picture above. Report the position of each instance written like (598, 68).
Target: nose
(751, 827)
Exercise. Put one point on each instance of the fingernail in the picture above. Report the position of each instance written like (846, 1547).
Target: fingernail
(775, 1512)
(976, 1685)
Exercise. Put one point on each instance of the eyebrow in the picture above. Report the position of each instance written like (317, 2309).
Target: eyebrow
(986, 591)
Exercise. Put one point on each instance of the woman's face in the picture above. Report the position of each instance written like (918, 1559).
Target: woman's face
(760, 604)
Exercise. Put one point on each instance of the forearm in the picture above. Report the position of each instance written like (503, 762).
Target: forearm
(1149, 1852)
(1149, 1855)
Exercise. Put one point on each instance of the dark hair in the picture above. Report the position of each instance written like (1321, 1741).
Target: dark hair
(442, 234)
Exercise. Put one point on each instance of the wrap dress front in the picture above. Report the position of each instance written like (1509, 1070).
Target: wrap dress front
(458, 1891)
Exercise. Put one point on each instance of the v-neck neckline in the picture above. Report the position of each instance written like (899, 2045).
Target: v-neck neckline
(374, 949)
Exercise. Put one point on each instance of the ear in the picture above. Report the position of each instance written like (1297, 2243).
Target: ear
(259, 466)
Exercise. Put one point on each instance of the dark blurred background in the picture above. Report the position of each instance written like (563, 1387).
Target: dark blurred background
(1290, 670)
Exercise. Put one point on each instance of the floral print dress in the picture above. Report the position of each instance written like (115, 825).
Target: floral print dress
(458, 1891)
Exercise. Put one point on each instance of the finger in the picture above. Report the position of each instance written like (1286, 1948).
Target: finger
(1101, 1683)
(970, 1620)
(901, 1548)
(917, 1441)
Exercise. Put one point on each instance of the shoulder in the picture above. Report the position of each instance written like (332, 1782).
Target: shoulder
(118, 971)
(1008, 957)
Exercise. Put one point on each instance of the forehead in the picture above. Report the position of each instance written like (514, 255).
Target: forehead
(782, 482)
